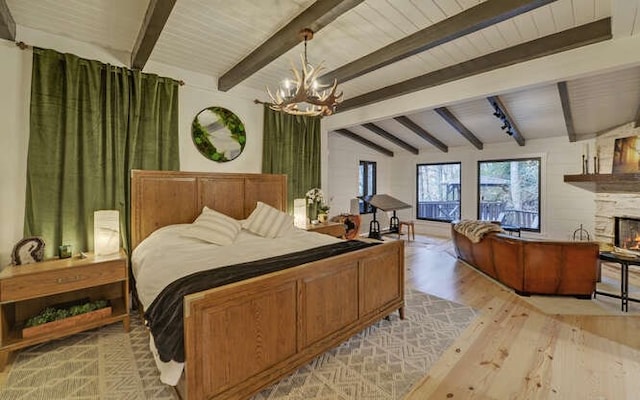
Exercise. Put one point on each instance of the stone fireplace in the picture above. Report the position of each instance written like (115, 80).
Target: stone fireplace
(612, 204)
(627, 233)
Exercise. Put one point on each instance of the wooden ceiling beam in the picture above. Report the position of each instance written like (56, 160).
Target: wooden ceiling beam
(154, 20)
(471, 20)
(390, 137)
(415, 128)
(458, 126)
(566, 110)
(7, 23)
(359, 139)
(570, 39)
(513, 129)
(317, 16)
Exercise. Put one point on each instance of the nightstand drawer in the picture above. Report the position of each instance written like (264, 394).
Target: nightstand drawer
(61, 280)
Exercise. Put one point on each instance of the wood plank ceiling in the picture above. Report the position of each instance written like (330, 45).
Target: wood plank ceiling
(376, 49)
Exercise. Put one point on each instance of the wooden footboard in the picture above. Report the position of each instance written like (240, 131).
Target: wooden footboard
(242, 337)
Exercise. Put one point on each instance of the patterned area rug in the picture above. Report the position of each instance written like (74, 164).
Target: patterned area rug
(381, 362)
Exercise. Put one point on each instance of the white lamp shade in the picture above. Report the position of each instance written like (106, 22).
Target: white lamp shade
(300, 212)
(106, 232)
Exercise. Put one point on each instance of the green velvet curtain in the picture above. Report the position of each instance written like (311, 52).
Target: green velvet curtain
(291, 146)
(91, 123)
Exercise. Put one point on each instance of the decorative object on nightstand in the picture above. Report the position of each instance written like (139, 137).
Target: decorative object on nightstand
(315, 200)
(300, 212)
(28, 250)
(106, 232)
(335, 229)
(323, 212)
(64, 251)
(26, 290)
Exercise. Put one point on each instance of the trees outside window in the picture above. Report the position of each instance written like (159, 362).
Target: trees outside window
(509, 192)
(366, 184)
(438, 191)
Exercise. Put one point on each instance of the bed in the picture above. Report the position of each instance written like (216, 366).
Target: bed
(243, 336)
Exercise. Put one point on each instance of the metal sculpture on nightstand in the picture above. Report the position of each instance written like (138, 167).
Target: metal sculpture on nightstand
(385, 203)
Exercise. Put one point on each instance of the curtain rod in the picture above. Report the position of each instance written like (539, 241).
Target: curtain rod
(24, 46)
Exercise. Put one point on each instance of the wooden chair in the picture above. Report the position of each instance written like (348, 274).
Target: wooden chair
(411, 231)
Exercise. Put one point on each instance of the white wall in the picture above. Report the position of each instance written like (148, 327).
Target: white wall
(198, 93)
(344, 156)
(564, 207)
(15, 78)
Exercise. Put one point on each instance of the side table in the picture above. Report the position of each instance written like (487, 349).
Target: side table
(26, 289)
(335, 229)
(624, 262)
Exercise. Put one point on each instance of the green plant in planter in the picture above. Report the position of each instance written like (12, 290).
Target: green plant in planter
(53, 313)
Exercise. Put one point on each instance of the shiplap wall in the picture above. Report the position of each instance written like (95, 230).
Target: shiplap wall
(564, 207)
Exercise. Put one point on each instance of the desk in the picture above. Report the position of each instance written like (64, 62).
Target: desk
(624, 262)
(385, 203)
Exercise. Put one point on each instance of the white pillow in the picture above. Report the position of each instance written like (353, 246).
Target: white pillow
(268, 222)
(213, 227)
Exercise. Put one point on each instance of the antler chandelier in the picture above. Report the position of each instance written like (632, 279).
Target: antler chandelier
(304, 95)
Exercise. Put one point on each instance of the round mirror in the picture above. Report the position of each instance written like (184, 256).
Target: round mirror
(218, 134)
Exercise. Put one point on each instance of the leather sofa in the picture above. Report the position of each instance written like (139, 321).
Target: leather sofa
(532, 266)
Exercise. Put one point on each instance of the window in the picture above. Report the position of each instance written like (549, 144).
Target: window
(366, 184)
(438, 191)
(509, 192)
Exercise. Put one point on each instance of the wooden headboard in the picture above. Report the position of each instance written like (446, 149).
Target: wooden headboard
(160, 198)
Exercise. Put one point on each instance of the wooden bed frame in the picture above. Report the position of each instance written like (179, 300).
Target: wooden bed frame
(242, 337)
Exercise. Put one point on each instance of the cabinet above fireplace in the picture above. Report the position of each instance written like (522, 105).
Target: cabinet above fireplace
(606, 183)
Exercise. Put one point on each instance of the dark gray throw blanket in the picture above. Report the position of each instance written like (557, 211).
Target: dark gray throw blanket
(164, 317)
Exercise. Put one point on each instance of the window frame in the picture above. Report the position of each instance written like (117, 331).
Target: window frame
(363, 207)
(459, 163)
(539, 210)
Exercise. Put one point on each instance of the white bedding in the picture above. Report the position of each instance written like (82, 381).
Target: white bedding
(166, 256)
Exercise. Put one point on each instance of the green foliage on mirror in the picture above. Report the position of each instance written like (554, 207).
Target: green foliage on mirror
(218, 134)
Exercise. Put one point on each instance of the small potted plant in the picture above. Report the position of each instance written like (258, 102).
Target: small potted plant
(323, 212)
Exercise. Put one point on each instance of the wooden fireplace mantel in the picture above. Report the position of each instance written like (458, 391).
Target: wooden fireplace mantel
(606, 183)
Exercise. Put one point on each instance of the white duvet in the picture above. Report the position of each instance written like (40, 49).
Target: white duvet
(166, 256)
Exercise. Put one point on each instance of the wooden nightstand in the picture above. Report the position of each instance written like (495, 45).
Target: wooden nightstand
(328, 228)
(27, 289)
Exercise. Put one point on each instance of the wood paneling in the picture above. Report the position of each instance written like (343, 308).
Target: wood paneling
(7, 24)
(359, 139)
(257, 327)
(330, 302)
(390, 137)
(382, 281)
(223, 194)
(155, 18)
(458, 25)
(576, 37)
(316, 17)
(566, 110)
(459, 126)
(269, 189)
(169, 197)
(415, 128)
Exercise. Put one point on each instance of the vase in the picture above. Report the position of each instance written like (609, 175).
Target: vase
(312, 211)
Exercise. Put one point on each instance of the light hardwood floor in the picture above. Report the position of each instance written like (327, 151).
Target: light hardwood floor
(515, 351)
